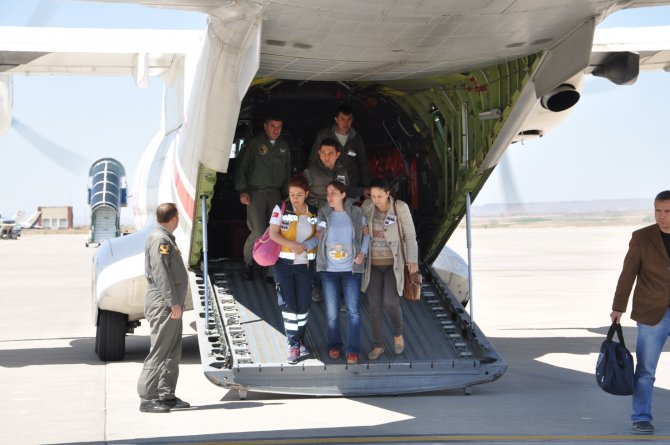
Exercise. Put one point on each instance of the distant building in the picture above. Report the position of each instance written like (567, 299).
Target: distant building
(56, 217)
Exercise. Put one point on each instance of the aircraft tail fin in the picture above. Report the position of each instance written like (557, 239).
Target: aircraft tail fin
(31, 221)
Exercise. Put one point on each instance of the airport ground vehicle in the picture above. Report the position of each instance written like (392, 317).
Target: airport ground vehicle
(10, 231)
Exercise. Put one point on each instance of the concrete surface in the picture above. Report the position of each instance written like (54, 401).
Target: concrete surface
(541, 295)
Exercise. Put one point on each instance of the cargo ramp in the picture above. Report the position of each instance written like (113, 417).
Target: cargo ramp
(242, 343)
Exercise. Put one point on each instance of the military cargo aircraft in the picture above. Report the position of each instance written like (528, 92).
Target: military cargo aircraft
(441, 90)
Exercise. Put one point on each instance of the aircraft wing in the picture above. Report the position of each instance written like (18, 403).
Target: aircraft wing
(617, 54)
(649, 46)
(105, 52)
(145, 53)
(31, 221)
(92, 52)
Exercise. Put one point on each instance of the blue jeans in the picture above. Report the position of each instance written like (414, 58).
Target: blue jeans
(650, 341)
(294, 297)
(335, 285)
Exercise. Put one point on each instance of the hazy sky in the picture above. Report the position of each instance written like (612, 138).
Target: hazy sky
(613, 145)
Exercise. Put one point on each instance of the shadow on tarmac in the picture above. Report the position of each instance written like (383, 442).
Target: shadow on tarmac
(82, 351)
(533, 402)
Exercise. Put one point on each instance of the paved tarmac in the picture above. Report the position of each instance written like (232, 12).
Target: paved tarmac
(542, 296)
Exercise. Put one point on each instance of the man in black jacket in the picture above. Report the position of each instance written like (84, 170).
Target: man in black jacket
(350, 146)
(325, 169)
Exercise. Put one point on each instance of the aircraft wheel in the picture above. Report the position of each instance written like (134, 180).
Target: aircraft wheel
(110, 337)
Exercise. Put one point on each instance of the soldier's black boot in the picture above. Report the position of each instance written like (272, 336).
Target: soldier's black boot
(153, 406)
(176, 402)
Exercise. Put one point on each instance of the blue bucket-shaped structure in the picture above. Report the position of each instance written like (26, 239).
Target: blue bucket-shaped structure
(107, 193)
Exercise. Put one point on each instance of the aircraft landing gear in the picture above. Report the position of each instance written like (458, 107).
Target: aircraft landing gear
(110, 337)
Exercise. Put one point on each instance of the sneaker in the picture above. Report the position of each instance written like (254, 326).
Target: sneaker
(375, 353)
(303, 349)
(293, 355)
(176, 402)
(643, 426)
(316, 295)
(352, 358)
(334, 353)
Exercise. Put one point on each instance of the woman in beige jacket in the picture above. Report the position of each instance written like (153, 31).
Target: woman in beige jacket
(390, 223)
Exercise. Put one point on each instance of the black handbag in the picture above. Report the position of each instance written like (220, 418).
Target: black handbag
(615, 370)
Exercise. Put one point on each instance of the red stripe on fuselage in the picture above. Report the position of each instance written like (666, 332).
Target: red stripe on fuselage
(187, 201)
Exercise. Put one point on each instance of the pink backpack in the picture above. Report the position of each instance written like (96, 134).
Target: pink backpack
(266, 251)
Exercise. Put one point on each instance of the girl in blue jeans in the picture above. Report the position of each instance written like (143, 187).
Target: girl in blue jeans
(343, 247)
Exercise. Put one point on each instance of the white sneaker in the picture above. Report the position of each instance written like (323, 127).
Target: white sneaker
(303, 349)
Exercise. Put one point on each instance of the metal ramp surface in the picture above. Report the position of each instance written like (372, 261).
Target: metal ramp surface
(242, 343)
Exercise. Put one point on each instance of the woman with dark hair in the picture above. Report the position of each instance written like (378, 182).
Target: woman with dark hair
(343, 246)
(294, 229)
(390, 223)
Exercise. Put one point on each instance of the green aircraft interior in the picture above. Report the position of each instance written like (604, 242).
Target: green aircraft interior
(412, 130)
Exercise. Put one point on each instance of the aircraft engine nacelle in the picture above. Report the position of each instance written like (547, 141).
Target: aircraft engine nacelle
(551, 109)
(5, 102)
(561, 98)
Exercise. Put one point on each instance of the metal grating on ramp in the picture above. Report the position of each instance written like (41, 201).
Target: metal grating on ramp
(243, 345)
(261, 319)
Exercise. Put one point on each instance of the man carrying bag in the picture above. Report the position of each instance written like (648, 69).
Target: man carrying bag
(647, 264)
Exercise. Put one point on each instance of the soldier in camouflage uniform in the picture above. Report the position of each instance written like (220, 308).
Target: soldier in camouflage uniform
(167, 285)
(262, 173)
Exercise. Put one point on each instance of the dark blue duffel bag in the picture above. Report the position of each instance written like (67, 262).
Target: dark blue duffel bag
(615, 370)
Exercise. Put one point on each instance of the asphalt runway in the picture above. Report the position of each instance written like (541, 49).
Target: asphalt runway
(541, 295)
